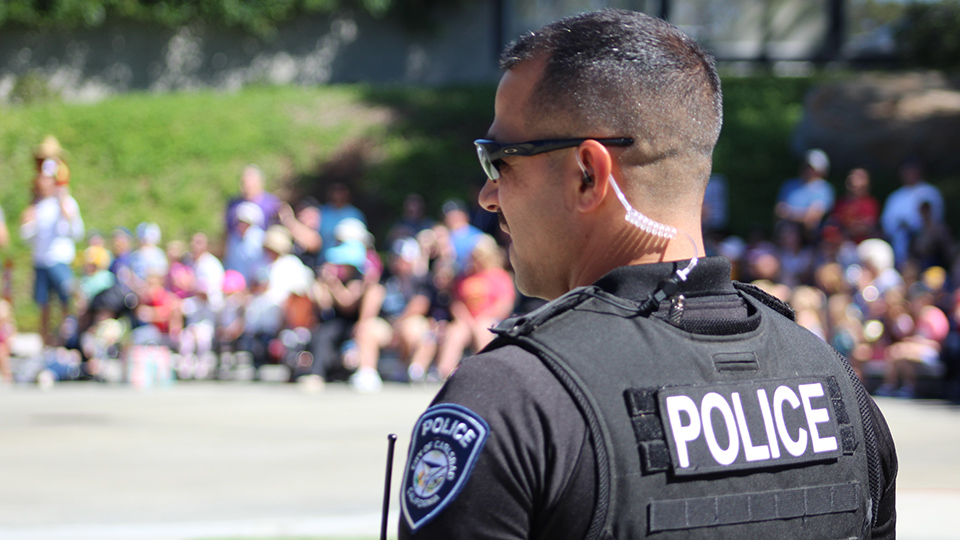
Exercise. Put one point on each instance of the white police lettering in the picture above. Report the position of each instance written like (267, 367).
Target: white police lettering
(768, 423)
(724, 456)
(816, 416)
(683, 433)
(795, 447)
(460, 432)
(738, 424)
(752, 453)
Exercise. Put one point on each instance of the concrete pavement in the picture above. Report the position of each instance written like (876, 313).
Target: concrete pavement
(234, 460)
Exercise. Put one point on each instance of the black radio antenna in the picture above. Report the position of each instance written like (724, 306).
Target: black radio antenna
(391, 442)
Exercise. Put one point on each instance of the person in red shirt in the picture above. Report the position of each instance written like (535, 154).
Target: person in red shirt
(858, 212)
(482, 298)
(160, 309)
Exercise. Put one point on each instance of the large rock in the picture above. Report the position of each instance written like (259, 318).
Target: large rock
(877, 120)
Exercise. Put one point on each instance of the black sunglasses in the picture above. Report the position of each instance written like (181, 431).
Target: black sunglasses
(491, 153)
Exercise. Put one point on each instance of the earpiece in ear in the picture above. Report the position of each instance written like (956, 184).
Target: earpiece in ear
(587, 179)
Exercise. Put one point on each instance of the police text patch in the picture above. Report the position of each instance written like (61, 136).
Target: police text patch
(446, 442)
(753, 425)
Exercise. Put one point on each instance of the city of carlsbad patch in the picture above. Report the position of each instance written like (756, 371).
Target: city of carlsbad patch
(446, 443)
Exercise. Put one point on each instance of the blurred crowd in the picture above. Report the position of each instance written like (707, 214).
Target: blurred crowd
(878, 280)
(306, 285)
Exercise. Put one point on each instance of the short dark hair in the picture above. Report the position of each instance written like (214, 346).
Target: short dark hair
(627, 74)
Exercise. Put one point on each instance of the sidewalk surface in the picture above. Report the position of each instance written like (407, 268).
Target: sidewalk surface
(236, 460)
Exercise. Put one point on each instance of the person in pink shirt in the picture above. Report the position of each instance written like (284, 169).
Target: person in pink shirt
(482, 297)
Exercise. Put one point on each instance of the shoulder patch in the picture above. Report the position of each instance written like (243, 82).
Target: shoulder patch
(446, 443)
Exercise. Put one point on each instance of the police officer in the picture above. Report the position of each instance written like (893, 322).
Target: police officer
(652, 397)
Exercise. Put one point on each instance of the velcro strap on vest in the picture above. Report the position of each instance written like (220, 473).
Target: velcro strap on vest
(644, 414)
(753, 507)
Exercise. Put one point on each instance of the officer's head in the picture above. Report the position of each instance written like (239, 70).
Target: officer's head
(645, 99)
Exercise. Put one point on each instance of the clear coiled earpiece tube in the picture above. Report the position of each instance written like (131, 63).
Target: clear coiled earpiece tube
(647, 225)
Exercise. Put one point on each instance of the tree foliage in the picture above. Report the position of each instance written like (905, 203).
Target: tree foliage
(929, 34)
(258, 17)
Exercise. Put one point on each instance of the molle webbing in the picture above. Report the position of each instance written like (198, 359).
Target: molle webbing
(753, 507)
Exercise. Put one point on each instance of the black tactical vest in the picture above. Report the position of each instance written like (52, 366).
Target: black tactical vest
(747, 436)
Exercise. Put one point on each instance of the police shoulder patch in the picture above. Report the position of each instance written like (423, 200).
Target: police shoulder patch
(446, 443)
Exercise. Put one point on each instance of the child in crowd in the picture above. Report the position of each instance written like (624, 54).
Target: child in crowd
(230, 317)
(197, 338)
(262, 320)
(159, 310)
(923, 328)
(180, 279)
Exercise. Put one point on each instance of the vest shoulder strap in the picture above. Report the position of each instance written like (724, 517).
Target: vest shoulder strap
(524, 324)
(767, 299)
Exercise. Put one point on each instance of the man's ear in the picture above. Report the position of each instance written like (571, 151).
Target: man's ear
(595, 167)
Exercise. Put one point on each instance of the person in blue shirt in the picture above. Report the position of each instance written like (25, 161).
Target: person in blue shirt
(809, 197)
(336, 209)
(463, 235)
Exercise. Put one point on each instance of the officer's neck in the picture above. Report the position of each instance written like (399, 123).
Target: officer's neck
(627, 246)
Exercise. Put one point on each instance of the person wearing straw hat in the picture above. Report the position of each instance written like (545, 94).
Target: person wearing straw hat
(52, 225)
(287, 275)
(49, 159)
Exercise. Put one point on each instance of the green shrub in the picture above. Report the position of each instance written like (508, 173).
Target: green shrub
(258, 17)
(754, 147)
(929, 35)
(32, 87)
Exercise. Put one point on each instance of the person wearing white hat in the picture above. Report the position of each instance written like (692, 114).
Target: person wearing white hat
(809, 197)
(252, 191)
(149, 258)
(246, 255)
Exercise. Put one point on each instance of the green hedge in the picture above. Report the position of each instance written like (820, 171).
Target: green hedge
(258, 17)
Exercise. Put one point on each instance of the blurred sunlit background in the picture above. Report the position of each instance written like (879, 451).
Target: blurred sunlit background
(159, 105)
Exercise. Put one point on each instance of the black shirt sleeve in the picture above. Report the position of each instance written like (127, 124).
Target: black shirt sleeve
(535, 476)
(886, 524)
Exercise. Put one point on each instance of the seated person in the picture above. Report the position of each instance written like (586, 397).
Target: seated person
(920, 345)
(262, 321)
(304, 226)
(180, 276)
(482, 298)
(159, 311)
(197, 338)
(858, 212)
(229, 325)
(338, 293)
(96, 276)
(394, 314)
(805, 200)
(148, 259)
